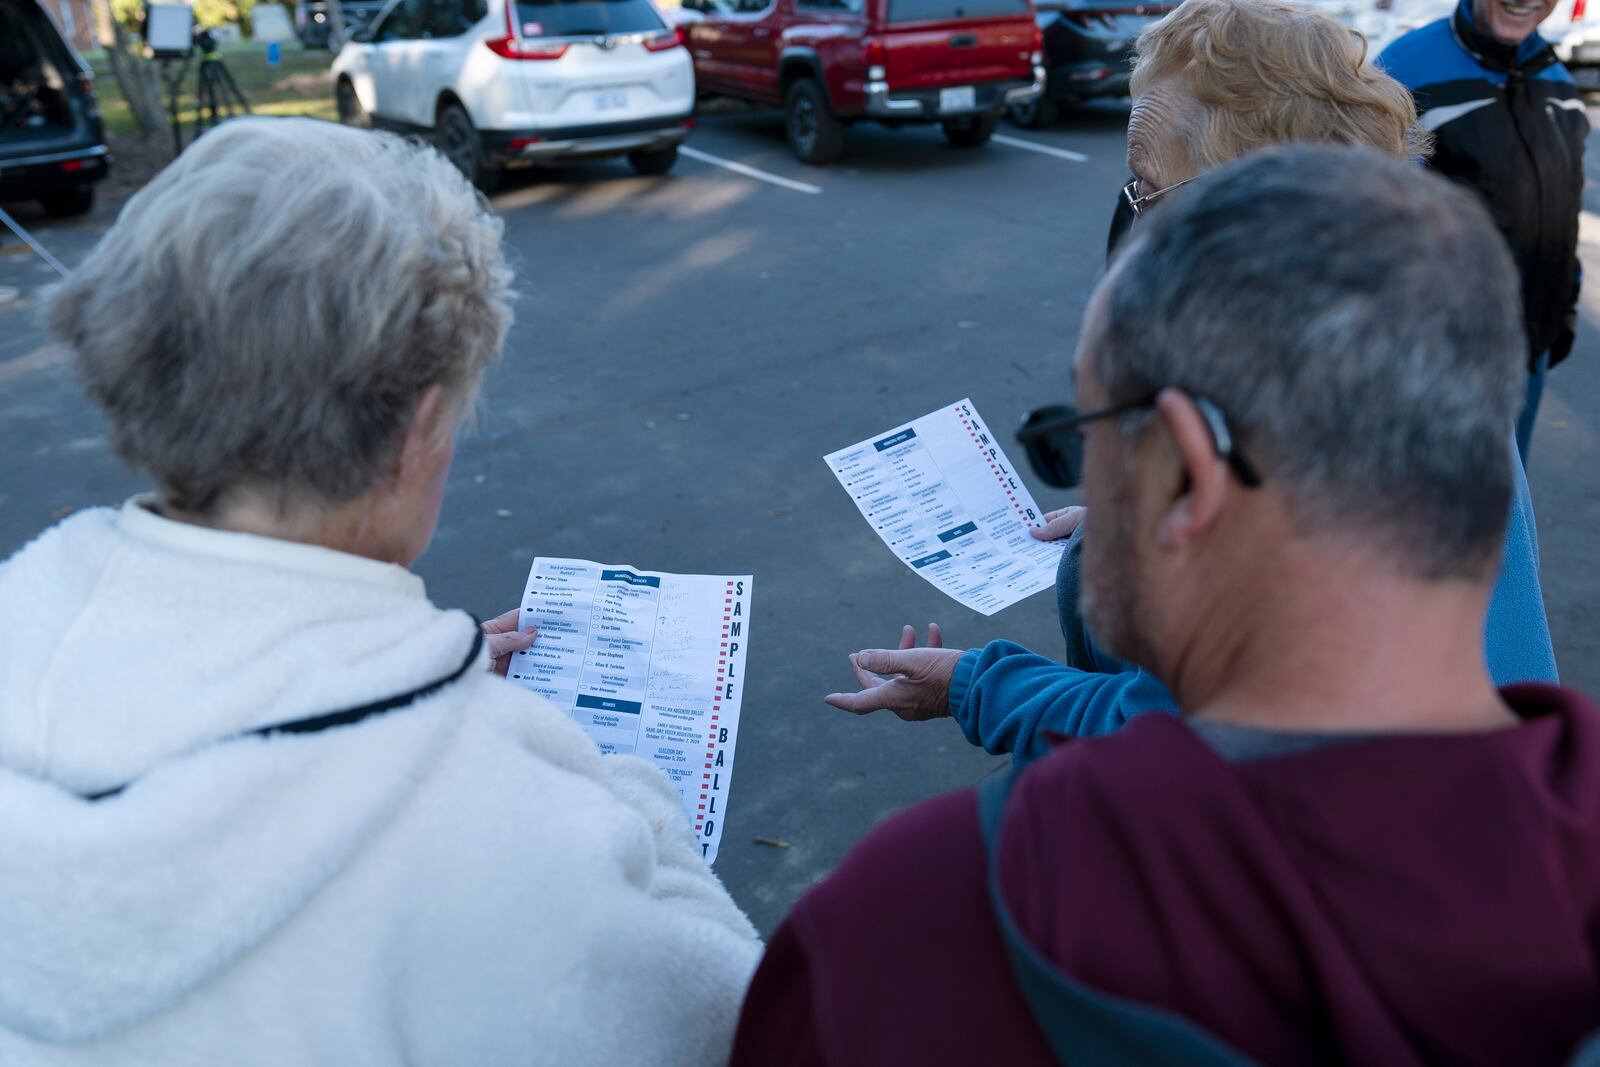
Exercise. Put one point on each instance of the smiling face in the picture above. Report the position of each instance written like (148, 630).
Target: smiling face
(1160, 131)
(1508, 22)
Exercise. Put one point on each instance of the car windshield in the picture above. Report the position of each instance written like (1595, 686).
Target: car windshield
(586, 18)
(943, 10)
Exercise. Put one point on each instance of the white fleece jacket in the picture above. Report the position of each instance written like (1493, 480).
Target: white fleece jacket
(462, 881)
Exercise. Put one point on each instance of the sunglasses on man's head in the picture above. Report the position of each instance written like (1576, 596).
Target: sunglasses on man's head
(1053, 438)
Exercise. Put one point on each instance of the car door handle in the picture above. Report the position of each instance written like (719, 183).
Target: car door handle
(964, 40)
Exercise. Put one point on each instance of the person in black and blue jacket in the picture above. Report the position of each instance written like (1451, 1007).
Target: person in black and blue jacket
(1508, 123)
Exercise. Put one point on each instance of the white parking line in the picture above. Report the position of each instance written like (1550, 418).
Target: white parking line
(1049, 150)
(749, 172)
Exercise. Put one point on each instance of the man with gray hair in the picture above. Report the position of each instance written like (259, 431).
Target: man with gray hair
(1297, 386)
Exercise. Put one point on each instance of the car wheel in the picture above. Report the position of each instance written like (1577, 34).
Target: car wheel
(60, 203)
(815, 135)
(971, 133)
(1036, 114)
(351, 113)
(654, 163)
(457, 140)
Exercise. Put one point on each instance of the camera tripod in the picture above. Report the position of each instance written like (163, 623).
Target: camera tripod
(216, 96)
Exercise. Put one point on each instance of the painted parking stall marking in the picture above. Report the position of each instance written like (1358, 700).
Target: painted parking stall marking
(750, 172)
(1035, 146)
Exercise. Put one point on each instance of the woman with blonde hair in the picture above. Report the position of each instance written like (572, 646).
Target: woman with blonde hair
(1219, 78)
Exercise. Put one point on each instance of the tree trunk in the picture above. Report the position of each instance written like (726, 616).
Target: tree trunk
(136, 76)
(336, 32)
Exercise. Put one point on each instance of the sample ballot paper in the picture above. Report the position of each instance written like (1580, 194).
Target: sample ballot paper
(650, 665)
(944, 497)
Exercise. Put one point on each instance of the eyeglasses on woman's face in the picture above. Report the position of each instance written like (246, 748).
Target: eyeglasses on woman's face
(1141, 204)
(1053, 439)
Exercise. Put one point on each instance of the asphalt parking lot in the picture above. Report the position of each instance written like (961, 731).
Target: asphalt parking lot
(686, 351)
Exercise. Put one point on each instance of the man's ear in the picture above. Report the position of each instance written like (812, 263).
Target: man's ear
(1204, 481)
(422, 433)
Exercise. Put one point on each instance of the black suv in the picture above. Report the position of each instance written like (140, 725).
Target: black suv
(52, 145)
(311, 23)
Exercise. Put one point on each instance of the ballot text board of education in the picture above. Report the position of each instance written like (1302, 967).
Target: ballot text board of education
(650, 665)
(942, 494)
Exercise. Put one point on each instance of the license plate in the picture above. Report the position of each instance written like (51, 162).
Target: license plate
(959, 98)
(611, 100)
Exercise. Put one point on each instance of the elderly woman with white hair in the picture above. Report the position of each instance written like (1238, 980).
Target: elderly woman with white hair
(260, 800)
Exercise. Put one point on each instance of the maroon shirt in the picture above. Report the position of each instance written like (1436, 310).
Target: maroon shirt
(1398, 900)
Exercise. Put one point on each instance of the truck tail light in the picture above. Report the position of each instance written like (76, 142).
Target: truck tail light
(874, 52)
(511, 46)
(1580, 8)
(1038, 39)
(664, 40)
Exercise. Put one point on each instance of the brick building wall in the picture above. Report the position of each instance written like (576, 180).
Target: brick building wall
(76, 21)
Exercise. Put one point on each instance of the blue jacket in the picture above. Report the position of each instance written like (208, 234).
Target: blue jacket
(1007, 698)
(1509, 124)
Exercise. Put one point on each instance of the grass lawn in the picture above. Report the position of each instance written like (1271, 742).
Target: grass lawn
(296, 86)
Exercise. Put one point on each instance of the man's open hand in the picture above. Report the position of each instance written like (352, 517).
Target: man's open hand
(912, 682)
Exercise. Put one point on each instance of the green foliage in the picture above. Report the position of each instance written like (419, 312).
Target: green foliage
(209, 13)
(128, 12)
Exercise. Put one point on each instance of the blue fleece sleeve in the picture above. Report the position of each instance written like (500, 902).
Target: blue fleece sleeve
(1006, 698)
(1516, 636)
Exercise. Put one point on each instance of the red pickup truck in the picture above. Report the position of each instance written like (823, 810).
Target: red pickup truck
(959, 63)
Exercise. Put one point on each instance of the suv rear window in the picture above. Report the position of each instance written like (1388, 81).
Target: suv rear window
(36, 75)
(943, 10)
(586, 18)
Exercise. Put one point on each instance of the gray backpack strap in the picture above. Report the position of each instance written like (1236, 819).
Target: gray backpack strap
(1085, 1028)
(1588, 1054)
(1073, 631)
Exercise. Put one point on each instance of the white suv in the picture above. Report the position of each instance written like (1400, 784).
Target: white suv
(1574, 30)
(510, 83)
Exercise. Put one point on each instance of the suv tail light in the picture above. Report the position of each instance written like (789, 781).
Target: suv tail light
(666, 39)
(1580, 8)
(509, 47)
(513, 47)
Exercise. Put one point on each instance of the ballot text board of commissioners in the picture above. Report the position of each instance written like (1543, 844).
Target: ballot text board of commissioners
(650, 665)
(942, 495)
